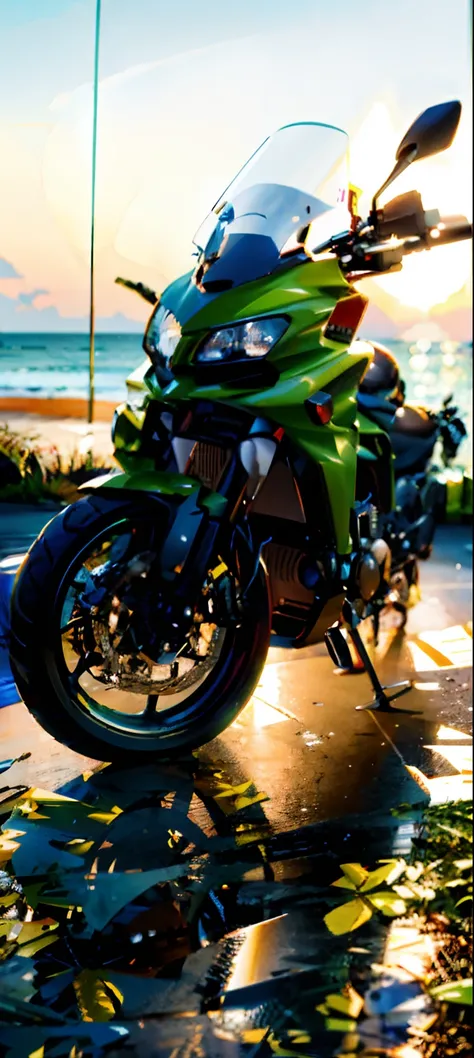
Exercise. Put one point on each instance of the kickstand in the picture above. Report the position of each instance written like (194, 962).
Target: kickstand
(382, 700)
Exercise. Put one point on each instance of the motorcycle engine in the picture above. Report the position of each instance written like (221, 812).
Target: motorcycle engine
(370, 570)
(370, 567)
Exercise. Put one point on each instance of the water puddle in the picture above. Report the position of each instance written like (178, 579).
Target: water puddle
(155, 907)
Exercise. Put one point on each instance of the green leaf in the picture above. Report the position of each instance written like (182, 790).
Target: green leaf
(355, 872)
(463, 900)
(251, 833)
(223, 789)
(390, 904)
(8, 899)
(27, 951)
(347, 917)
(387, 874)
(245, 802)
(31, 930)
(230, 799)
(77, 847)
(459, 992)
(463, 865)
(97, 998)
(7, 846)
(32, 893)
(340, 1025)
(455, 832)
(347, 1002)
(344, 883)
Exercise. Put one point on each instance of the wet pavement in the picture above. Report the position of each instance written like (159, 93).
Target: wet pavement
(300, 738)
(262, 818)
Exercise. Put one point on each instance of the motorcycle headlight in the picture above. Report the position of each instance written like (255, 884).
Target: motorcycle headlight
(162, 335)
(253, 339)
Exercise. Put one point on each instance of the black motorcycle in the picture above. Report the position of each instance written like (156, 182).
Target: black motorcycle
(414, 432)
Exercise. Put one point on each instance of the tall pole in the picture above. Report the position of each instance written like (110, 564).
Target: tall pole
(90, 417)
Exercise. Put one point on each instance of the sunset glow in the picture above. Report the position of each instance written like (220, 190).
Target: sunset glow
(444, 182)
(176, 124)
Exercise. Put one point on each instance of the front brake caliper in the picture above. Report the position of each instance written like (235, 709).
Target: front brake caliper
(223, 597)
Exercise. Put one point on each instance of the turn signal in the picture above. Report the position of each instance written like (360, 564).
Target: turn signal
(319, 408)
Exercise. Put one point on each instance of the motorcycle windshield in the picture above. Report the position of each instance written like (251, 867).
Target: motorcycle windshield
(297, 177)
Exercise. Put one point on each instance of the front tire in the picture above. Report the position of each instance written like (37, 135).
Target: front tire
(38, 665)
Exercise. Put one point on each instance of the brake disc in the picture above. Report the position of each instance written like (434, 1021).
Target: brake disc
(114, 636)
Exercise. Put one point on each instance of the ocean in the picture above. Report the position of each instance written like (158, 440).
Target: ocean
(56, 365)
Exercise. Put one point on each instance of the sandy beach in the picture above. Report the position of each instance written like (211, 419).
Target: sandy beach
(59, 408)
(64, 426)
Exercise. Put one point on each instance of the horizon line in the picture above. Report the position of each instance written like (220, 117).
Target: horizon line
(132, 333)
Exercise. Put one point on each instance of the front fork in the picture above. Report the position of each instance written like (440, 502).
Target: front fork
(196, 537)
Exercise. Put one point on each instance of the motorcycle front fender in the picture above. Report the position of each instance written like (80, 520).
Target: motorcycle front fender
(176, 486)
(193, 509)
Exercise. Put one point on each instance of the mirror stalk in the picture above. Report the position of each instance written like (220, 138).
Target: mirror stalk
(432, 131)
(400, 165)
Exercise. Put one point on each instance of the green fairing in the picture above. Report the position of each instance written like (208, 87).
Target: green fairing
(128, 427)
(307, 362)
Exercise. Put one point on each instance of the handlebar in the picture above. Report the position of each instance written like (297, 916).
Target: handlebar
(361, 256)
(450, 229)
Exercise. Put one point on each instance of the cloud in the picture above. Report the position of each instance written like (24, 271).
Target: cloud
(28, 300)
(14, 319)
(8, 271)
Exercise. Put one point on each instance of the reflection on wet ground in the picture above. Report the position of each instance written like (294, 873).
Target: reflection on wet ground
(190, 909)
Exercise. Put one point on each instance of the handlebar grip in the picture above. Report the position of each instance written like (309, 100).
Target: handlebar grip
(450, 229)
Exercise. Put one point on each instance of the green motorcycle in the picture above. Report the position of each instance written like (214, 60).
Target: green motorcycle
(252, 487)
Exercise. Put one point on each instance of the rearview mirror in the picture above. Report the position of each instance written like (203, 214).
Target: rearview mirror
(432, 131)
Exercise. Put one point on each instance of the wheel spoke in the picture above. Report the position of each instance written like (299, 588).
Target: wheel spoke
(84, 664)
(80, 669)
(151, 704)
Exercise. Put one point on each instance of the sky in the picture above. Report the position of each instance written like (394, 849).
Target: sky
(187, 92)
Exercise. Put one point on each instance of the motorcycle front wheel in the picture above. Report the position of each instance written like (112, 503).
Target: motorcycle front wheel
(83, 663)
